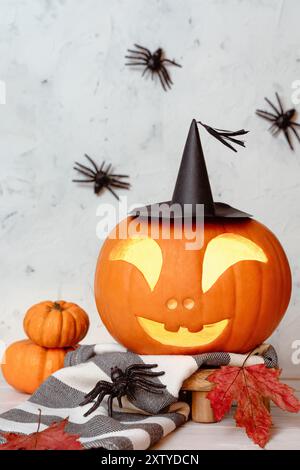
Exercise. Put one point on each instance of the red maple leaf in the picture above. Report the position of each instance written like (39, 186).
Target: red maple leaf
(248, 387)
(52, 438)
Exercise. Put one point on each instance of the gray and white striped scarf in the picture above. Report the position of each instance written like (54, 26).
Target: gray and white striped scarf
(137, 425)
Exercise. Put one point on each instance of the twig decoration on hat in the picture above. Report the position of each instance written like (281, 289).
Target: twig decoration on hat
(223, 136)
(101, 177)
(155, 63)
(281, 120)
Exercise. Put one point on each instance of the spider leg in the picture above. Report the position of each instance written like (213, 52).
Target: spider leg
(117, 180)
(119, 185)
(140, 59)
(134, 367)
(119, 176)
(108, 168)
(295, 123)
(140, 53)
(287, 136)
(166, 76)
(171, 62)
(146, 373)
(279, 102)
(99, 387)
(92, 162)
(150, 383)
(83, 172)
(84, 181)
(143, 49)
(119, 398)
(113, 185)
(102, 165)
(275, 132)
(274, 129)
(161, 80)
(109, 404)
(140, 64)
(85, 168)
(146, 381)
(295, 132)
(113, 192)
(266, 115)
(148, 389)
(97, 403)
(145, 70)
(272, 106)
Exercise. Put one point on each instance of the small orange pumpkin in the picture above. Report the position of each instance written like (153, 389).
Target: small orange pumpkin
(56, 324)
(26, 365)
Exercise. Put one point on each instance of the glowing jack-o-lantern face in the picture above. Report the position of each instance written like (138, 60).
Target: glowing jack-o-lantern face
(157, 297)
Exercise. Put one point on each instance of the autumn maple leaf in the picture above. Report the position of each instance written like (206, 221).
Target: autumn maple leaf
(53, 438)
(248, 387)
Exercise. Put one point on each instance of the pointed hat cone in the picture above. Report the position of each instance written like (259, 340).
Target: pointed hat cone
(192, 185)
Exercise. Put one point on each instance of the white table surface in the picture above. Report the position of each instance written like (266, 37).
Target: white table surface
(219, 436)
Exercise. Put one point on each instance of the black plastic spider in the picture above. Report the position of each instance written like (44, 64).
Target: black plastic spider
(102, 178)
(153, 63)
(123, 383)
(282, 120)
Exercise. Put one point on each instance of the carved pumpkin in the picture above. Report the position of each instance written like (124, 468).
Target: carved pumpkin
(56, 324)
(156, 297)
(27, 365)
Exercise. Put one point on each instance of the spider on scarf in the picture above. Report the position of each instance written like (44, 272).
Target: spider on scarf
(124, 383)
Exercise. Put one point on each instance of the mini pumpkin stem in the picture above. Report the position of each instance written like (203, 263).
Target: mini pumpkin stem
(57, 306)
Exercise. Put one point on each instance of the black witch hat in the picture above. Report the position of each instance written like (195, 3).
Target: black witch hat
(192, 186)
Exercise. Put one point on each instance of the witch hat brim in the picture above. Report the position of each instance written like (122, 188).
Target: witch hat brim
(163, 210)
(192, 189)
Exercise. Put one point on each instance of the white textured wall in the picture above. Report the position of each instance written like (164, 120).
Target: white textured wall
(68, 92)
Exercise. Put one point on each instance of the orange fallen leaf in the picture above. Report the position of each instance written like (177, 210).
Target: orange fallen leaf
(53, 438)
(248, 386)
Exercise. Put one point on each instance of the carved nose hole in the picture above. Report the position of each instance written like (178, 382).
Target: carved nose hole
(172, 304)
(188, 304)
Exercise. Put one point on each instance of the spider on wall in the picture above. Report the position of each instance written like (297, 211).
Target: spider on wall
(281, 120)
(155, 63)
(101, 177)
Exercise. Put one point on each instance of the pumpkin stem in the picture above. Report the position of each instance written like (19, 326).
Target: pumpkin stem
(57, 306)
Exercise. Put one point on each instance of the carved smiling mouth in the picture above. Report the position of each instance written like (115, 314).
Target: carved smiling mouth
(183, 337)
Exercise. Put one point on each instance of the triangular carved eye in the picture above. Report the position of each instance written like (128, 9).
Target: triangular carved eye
(224, 251)
(143, 253)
